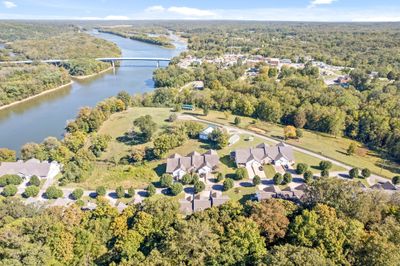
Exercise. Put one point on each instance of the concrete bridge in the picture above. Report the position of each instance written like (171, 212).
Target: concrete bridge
(111, 60)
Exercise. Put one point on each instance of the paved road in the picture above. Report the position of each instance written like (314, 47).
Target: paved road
(373, 179)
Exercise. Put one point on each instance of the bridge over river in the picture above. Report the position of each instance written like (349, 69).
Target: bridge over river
(111, 60)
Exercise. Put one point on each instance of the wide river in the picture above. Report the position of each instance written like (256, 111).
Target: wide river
(47, 115)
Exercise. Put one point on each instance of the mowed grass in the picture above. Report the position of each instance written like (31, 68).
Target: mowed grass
(120, 123)
(241, 194)
(321, 143)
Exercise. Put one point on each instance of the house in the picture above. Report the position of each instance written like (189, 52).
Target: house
(202, 201)
(30, 168)
(204, 135)
(267, 193)
(279, 155)
(273, 62)
(198, 85)
(384, 186)
(217, 198)
(202, 164)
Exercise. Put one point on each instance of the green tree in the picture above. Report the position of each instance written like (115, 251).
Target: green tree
(219, 138)
(237, 121)
(131, 192)
(101, 191)
(241, 173)
(256, 180)
(120, 191)
(365, 173)
(53, 192)
(7, 155)
(287, 178)
(354, 173)
(278, 179)
(187, 179)
(31, 191)
(351, 149)
(166, 180)
(34, 181)
(176, 188)
(308, 176)
(325, 165)
(126, 98)
(220, 177)
(299, 133)
(325, 173)
(396, 180)
(199, 186)
(151, 190)
(301, 168)
(296, 255)
(9, 191)
(77, 194)
(146, 125)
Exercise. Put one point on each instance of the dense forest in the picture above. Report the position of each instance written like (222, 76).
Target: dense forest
(152, 36)
(18, 83)
(338, 224)
(41, 41)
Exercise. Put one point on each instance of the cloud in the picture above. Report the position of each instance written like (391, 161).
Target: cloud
(181, 10)
(9, 4)
(155, 9)
(315, 3)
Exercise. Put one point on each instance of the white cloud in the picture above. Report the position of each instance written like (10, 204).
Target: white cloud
(183, 11)
(9, 4)
(315, 3)
(155, 9)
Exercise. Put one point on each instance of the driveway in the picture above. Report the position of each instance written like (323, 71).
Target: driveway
(250, 171)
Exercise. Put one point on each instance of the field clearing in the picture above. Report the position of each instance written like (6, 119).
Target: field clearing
(321, 143)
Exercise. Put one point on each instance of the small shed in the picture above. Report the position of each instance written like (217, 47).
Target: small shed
(204, 135)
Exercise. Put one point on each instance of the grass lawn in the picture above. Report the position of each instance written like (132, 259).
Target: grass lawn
(120, 123)
(241, 194)
(121, 175)
(324, 144)
(269, 171)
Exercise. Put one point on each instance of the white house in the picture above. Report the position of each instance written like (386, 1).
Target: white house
(204, 135)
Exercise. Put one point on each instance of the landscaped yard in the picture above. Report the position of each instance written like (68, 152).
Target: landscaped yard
(324, 144)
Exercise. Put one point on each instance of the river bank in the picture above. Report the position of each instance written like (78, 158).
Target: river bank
(92, 75)
(36, 95)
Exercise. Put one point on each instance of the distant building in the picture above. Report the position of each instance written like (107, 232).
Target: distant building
(273, 62)
(204, 135)
(202, 164)
(198, 85)
(202, 201)
(30, 168)
(188, 107)
(286, 61)
(280, 155)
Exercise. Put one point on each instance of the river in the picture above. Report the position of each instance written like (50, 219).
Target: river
(47, 115)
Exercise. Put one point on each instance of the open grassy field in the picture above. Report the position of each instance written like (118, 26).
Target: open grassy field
(324, 144)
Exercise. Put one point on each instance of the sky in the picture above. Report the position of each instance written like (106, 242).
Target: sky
(269, 10)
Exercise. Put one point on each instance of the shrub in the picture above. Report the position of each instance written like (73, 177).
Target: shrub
(34, 181)
(187, 179)
(31, 191)
(228, 184)
(365, 173)
(287, 178)
(176, 189)
(10, 180)
(325, 165)
(325, 173)
(80, 203)
(199, 186)
(241, 174)
(120, 191)
(166, 180)
(151, 190)
(101, 191)
(9, 191)
(299, 133)
(195, 179)
(53, 193)
(278, 179)
(256, 180)
(172, 118)
(77, 194)
(396, 180)
(237, 121)
(308, 176)
(354, 173)
(220, 177)
(301, 168)
(131, 192)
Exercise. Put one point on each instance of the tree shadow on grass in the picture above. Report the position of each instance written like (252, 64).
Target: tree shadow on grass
(228, 161)
(247, 197)
(160, 169)
(131, 138)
